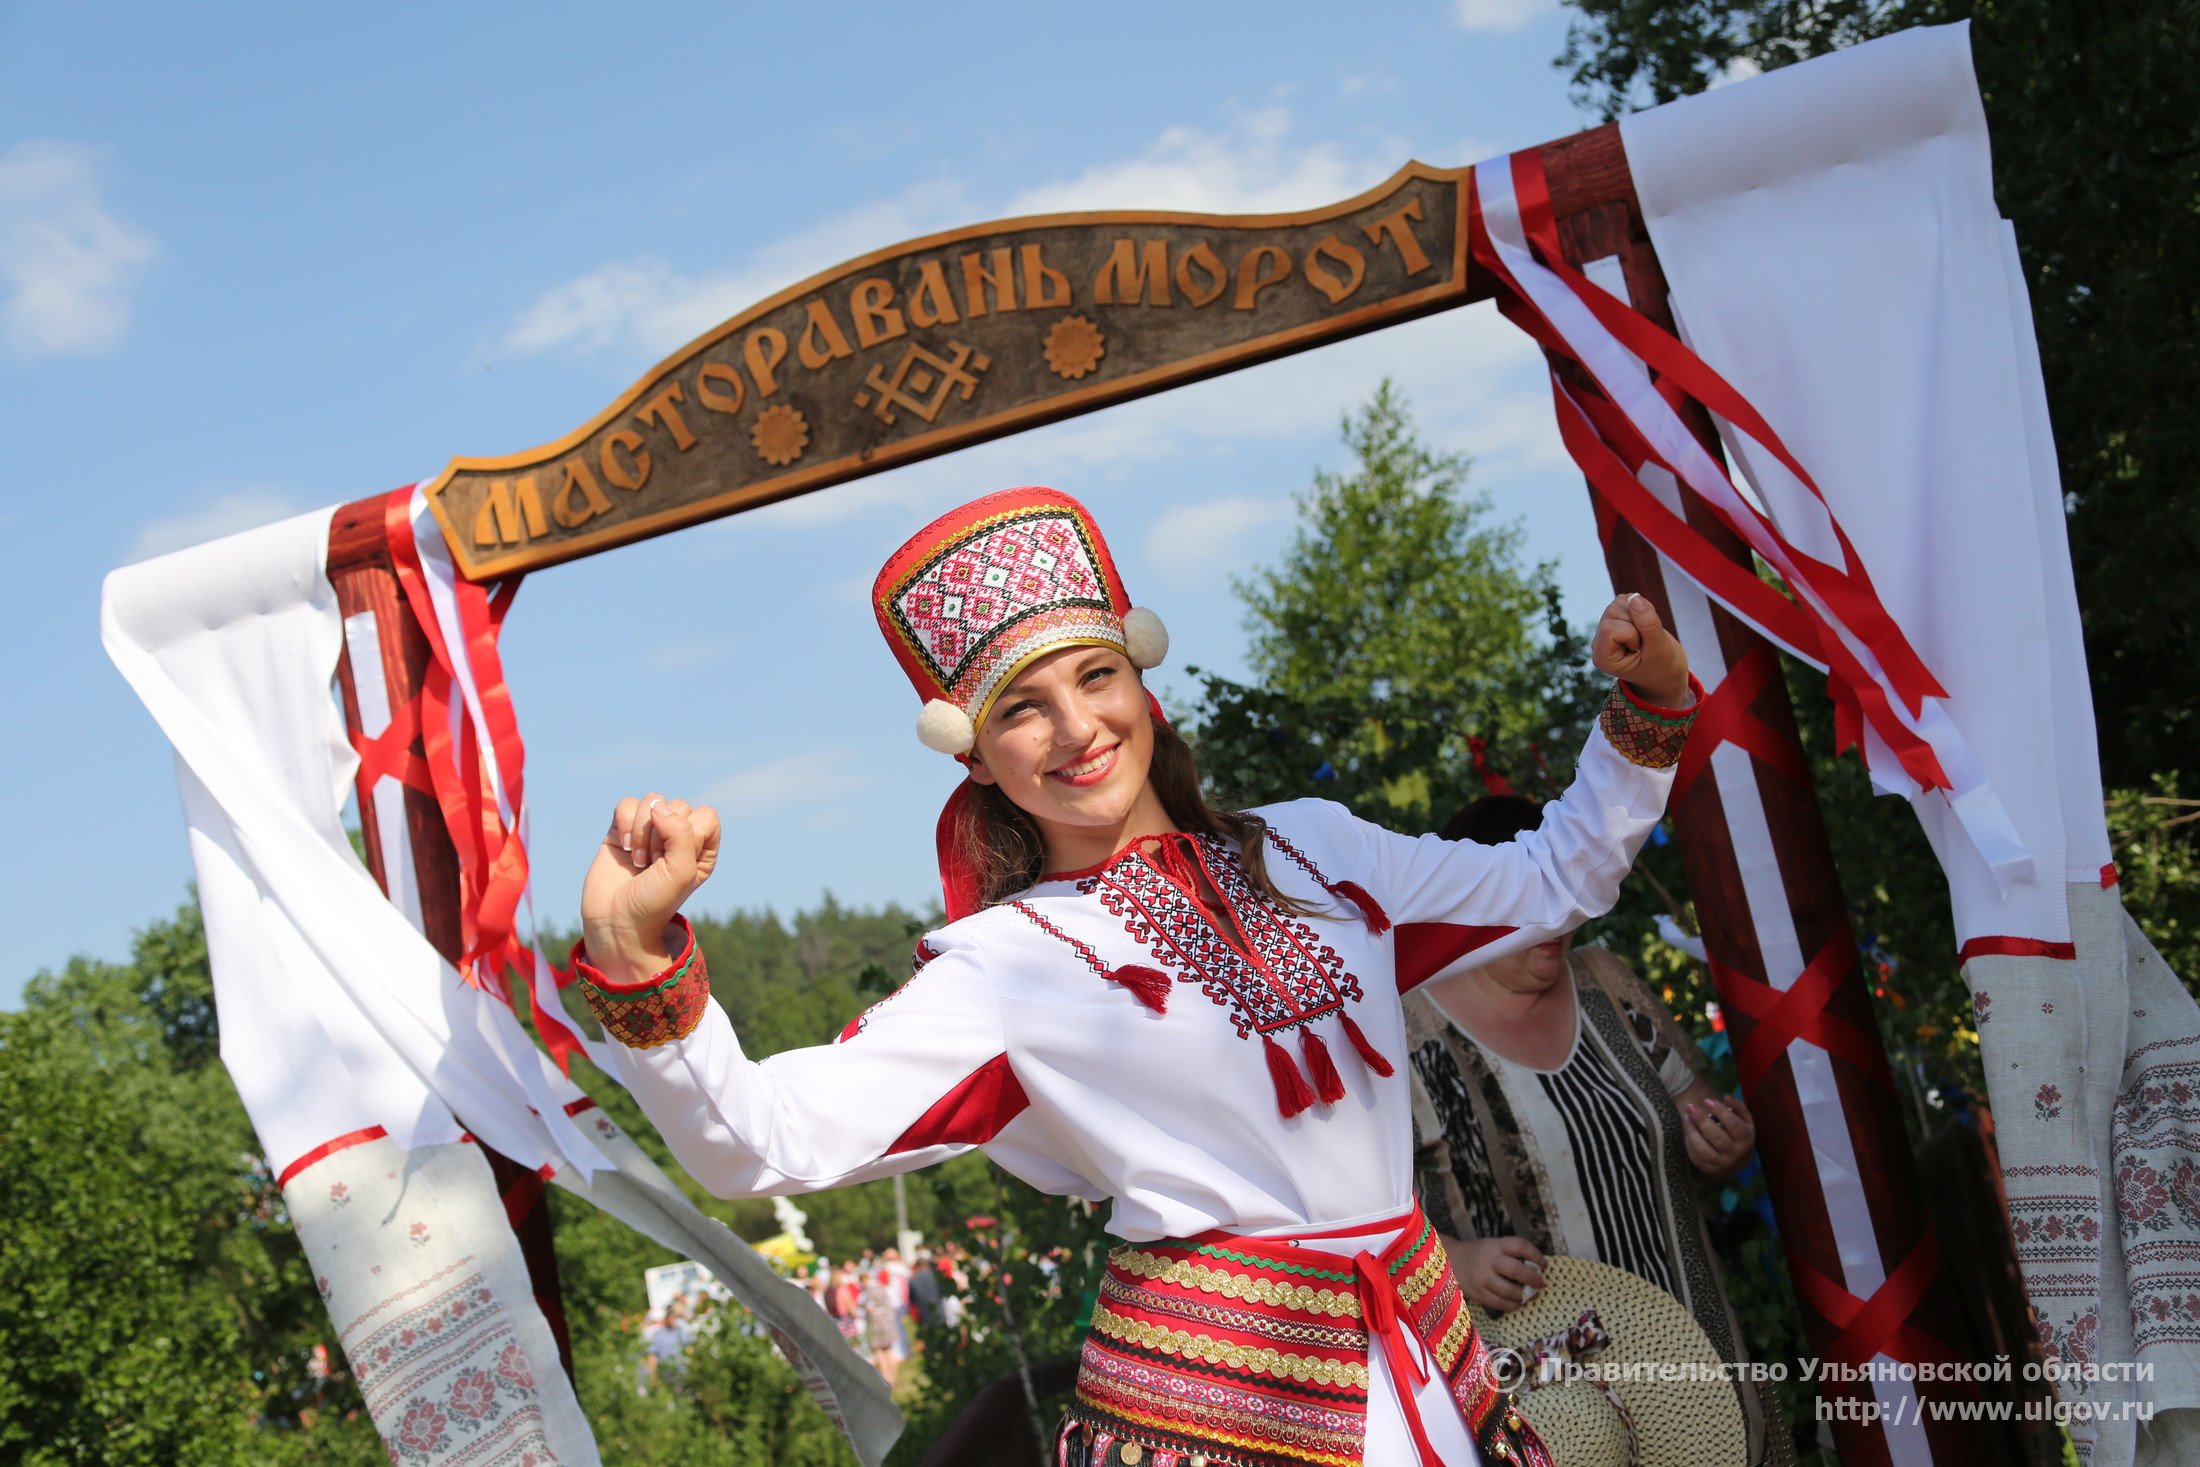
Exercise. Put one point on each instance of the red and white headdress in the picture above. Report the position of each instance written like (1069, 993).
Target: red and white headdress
(987, 589)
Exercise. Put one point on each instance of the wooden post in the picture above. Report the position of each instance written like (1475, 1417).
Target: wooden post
(1808, 891)
(366, 584)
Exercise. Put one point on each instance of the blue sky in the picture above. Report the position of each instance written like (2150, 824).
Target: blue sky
(255, 260)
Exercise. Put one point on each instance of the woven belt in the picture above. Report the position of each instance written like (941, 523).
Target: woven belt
(1249, 1352)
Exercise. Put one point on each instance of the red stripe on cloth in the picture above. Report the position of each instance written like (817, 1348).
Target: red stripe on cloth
(2016, 947)
(1724, 718)
(2108, 874)
(575, 1107)
(329, 1148)
(1799, 1012)
(1425, 949)
(1380, 1225)
(972, 1113)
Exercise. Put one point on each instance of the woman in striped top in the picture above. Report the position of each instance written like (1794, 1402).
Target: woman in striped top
(1558, 1108)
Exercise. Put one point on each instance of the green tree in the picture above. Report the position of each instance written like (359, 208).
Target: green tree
(153, 1305)
(2095, 115)
(1035, 1263)
(1396, 645)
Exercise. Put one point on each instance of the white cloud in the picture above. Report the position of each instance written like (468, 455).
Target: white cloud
(232, 513)
(1253, 167)
(67, 265)
(1500, 17)
(815, 778)
(1367, 84)
(1193, 542)
(646, 309)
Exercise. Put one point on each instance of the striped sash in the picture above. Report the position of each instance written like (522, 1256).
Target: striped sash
(1230, 1351)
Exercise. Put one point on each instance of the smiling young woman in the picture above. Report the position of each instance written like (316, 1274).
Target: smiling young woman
(1143, 999)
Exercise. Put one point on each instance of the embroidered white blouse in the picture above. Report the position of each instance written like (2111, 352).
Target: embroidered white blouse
(1012, 1037)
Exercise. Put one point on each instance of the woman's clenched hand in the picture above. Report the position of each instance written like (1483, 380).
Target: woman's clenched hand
(1632, 643)
(656, 853)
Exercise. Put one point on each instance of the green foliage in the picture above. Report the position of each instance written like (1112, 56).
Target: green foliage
(2151, 832)
(1397, 633)
(153, 1305)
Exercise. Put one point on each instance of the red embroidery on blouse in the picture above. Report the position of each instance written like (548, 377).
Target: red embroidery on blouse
(1285, 977)
(972, 1113)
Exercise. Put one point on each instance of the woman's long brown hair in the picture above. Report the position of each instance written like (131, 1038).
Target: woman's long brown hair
(1002, 843)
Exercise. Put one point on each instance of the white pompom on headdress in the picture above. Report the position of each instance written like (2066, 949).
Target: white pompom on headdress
(1145, 639)
(943, 727)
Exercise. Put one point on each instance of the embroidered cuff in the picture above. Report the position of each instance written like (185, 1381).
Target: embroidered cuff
(656, 1010)
(1644, 733)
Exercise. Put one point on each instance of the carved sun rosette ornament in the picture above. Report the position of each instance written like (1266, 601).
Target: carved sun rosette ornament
(1074, 347)
(780, 433)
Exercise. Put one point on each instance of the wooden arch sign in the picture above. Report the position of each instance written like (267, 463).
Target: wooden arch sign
(951, 339)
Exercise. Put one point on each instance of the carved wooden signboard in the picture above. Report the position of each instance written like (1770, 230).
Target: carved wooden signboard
(948, 340)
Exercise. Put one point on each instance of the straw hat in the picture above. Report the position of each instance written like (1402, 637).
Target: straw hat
(1603, 1320)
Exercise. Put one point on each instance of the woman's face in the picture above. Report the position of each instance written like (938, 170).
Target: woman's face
(1070, 742)
(1532, 970)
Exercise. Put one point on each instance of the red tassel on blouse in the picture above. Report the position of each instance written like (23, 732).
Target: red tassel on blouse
(1328, 1084)
(1292, 1094)
(1150, 986)
(1368, 1052)
(1378, 920)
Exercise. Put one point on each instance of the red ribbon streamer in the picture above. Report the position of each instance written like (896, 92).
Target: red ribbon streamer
(1846, 589)
(1878, 1325)
(390, 754)
(1379, 1308)
(493, 868)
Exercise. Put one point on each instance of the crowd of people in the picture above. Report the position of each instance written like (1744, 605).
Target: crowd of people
(880, 1299)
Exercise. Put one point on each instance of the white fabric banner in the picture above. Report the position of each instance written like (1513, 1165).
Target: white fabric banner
(336, 1015)
(1833, 247)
